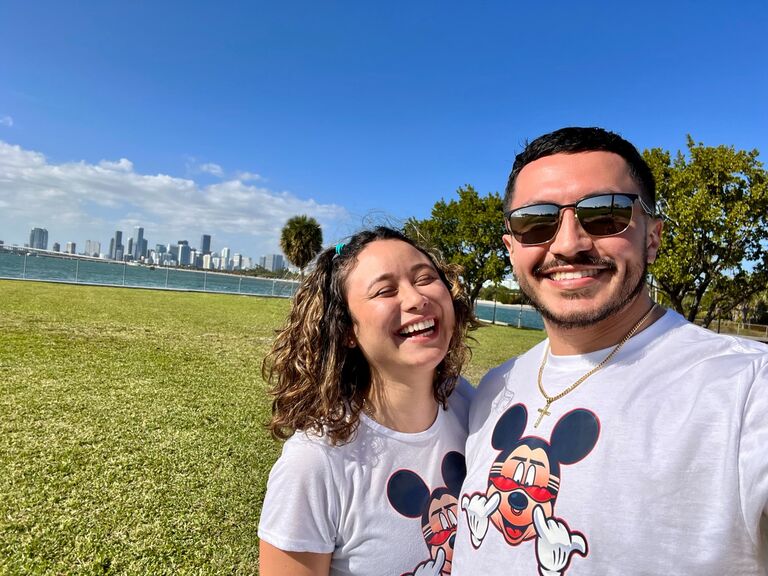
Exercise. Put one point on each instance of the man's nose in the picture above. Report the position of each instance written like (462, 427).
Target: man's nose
(570, 238)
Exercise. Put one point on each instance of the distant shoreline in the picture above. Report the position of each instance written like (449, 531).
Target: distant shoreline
(508, 306)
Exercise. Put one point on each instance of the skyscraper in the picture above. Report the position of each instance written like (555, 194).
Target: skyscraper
(205, 244)
(138, 243)
(274, 262)
(184, 252)
(92, 248)
(117, 252)
(38, 238)
(225, 263)
(71, 248)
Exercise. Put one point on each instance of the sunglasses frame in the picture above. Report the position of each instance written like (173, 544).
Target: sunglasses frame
(560, 207)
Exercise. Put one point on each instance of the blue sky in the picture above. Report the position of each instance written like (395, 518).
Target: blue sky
(228, 117)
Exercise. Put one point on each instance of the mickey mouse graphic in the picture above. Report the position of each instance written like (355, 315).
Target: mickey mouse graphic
(410, 496)
(523, 485)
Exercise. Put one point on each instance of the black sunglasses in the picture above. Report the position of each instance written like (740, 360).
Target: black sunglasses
(600, 215)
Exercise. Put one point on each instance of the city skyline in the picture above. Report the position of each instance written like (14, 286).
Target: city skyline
(137, 249)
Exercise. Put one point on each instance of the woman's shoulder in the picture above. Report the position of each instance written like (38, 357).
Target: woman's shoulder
(460, 400)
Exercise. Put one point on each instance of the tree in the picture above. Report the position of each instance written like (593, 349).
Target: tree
(714, 251)
(301, 240)
(468, 232)
(502, 294)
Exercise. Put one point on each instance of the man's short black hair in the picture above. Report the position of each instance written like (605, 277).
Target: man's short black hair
(575, 139)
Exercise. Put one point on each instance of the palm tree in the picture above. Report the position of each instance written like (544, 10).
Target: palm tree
(301, 240)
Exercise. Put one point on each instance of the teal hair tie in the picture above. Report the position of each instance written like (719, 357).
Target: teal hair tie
(339, 247)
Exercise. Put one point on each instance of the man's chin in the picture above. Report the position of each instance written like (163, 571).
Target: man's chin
(579, 308)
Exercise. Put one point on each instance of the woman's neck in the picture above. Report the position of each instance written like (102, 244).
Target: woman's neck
(402, 406)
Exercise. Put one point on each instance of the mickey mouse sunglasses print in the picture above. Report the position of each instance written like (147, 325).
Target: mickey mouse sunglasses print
(599, 215)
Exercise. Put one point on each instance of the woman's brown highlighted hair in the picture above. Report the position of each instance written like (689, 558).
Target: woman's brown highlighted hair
(318, 382)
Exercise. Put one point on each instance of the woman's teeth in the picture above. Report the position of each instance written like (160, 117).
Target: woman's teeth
(412, 329)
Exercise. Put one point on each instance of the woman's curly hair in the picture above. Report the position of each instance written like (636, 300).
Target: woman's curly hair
(319, 383)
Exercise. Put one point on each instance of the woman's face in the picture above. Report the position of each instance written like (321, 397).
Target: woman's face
(402, 312)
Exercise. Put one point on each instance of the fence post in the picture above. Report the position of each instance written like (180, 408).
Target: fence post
(239, 283)
(77, 268)
(167, 269)
(205, 281)
(273, 286)
(24, 271)
(125, 265)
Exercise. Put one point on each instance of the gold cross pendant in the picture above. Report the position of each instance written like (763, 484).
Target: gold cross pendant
(542, 412)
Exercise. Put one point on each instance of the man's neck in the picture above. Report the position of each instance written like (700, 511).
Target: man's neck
(603, 334)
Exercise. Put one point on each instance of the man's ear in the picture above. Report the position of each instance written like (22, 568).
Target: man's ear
(509, 243)
(653, 238)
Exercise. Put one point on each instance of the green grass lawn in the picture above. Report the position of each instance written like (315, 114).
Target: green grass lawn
(132, 427)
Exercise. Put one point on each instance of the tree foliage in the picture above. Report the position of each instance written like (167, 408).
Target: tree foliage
(714, 251)
(502, 294)
(300, 240)
(468, 232)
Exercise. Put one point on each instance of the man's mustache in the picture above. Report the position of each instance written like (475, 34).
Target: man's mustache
(579, 259)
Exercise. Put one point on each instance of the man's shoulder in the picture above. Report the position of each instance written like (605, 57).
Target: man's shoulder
(497, 375)
(698, 340)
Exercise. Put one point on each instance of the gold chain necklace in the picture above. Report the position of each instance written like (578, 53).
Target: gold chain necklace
(550, 399)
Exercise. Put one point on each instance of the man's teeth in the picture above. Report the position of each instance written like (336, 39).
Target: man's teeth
(574, 275)
(417, 327)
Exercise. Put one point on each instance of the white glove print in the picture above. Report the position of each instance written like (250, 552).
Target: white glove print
(555, 543)
(431, 567)
(478, 509)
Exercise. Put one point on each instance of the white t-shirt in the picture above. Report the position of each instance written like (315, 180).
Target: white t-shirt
(656, 464)
(374, 502)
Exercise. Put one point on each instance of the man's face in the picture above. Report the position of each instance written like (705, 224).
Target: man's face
(575, 279)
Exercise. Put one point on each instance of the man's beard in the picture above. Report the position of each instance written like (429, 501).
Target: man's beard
(630, 290)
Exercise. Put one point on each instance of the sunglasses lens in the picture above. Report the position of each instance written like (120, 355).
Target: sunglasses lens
(605, 215)
(534, 224)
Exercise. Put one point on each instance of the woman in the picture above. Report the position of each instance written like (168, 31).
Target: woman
(362, 378)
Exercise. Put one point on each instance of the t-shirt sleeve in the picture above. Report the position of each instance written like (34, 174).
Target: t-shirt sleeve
(460, 401)
(465, 390)
(753, 453)
(300, 512)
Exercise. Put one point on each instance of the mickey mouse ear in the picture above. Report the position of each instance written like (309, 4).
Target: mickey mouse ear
(407, 493)
(454, 469)
(574, 436)
(509, 428)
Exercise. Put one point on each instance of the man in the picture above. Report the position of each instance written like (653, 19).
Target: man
(630, 441)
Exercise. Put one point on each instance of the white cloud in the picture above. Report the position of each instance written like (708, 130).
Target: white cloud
(77, 201)
(6, 121)
(212, 169)
(249, 177)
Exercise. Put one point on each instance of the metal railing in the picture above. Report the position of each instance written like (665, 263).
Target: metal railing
(18, 263)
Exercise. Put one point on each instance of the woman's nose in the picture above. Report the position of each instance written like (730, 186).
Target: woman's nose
(413, 299)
